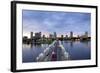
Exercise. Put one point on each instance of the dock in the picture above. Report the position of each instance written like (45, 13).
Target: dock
(54, 52)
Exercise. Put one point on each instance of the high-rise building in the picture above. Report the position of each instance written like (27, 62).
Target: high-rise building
(62, 36)
(55, 35)
(50, 36)
(38, 35)
(71, 34)
(44, 36)
(86, 34)
(66, 36)
(78, 36)
(31, 36)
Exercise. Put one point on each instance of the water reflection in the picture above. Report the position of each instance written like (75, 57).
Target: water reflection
(71, 44)
(77, 50)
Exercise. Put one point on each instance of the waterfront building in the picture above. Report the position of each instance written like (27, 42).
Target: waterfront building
(38, 35)
(43, 37)
(50, 36)
(71, 34)
(31, 36)
(62, 36)
(66, 36)
(86, 34)
(55, 35)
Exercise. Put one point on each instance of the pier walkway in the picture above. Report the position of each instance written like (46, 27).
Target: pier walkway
(55, 52)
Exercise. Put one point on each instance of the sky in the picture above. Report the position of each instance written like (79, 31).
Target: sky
(48, 22)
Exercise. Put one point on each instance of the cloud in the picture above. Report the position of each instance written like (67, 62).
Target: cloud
(60, 22)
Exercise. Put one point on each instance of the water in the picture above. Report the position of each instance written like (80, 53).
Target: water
(77, 50)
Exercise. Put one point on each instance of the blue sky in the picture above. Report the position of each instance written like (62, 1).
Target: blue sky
(60, 22)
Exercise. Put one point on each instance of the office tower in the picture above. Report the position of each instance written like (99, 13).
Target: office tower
(31, 36)
(55, 35)
(71, 34)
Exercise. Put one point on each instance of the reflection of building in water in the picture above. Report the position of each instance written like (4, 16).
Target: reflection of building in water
(86, 43)
(71, 43)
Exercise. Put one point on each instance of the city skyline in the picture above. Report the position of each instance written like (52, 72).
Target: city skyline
(55, 35)
(62, 23)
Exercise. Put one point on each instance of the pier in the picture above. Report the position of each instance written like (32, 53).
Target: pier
(55, 52)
